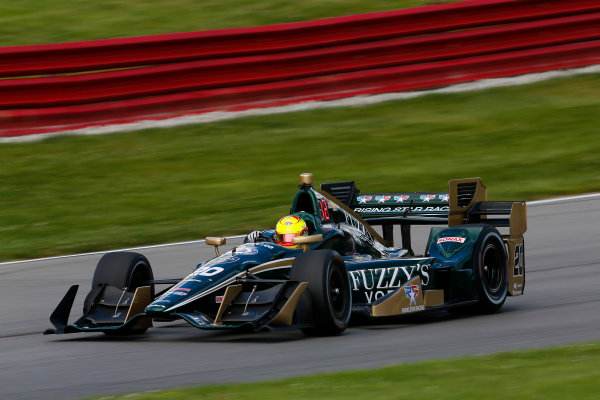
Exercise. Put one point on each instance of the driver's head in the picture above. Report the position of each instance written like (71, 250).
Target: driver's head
(288, 228)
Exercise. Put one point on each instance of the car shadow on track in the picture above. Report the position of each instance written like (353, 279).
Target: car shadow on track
(182, 332)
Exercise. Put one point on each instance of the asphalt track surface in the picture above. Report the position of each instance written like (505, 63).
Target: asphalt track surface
(561, 306)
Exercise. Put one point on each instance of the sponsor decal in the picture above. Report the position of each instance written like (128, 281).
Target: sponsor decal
(246, 250)
(517, 289)
(413, 309)
(375, 283)
(364, 199)
(395, 210)
(411, 292)
(219, 299)
(453, 239)
(401, 198)
(229, 260)
(445, 197)
(427, 197)
(362, 231)
(382, 199)
(176, 292)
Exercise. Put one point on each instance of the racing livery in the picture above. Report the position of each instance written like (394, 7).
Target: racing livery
(343, 265)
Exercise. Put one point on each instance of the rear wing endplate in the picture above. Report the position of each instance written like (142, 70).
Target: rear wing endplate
(468, 205)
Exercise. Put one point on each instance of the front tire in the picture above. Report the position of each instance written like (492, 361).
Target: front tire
(123, 270)
(329, 290)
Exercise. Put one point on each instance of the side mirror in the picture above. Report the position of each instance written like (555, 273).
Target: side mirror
(216, 241)
(305, 241)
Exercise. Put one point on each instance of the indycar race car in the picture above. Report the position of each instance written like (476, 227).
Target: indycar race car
(342, 265)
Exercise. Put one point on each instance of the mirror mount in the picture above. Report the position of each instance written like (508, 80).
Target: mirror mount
(216, 241)
(305, 241)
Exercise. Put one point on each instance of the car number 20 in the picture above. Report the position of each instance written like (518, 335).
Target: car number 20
(208, 271)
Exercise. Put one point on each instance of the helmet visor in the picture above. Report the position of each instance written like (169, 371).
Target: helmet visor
(287, 238)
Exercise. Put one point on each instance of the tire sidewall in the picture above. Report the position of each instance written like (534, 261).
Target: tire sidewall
(490, 240)
(321, 269)
(337, 270)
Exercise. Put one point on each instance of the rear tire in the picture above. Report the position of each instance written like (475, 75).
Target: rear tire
(329, 290)
(490, 271)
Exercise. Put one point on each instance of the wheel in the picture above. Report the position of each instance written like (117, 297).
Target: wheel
(329, 290)
(123, 270)
(490, 270)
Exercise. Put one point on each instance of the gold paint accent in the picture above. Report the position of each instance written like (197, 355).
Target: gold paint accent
(141, 298)
(398, 303)
(344, 207)
(281, 263)
(305, 241)
(515, 242)
(518, 219)
(286, 314)
(457, 215)
(216, 241)
(230, 293)
(306, 178)
(433, 298)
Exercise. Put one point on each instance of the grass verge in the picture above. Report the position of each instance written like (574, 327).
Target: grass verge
(44, 21)
(74, 193)
(570, 372)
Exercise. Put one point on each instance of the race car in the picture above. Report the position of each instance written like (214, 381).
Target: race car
(341, 265)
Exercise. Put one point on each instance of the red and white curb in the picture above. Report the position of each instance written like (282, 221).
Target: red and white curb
(310, 105)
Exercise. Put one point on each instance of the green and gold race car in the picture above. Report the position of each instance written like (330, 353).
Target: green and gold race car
(340, 266)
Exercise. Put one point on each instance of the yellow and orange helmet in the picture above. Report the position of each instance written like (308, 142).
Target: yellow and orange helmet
(288, 228)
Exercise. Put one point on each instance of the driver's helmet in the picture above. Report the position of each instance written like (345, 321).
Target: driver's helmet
(288, 228)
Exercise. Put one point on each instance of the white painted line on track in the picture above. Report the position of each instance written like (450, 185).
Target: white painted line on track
(310, 105)
(564, 199)
(156, 246)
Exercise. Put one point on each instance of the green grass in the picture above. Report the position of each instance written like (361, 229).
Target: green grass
(571, 372)
(53, 21)
(73, 194)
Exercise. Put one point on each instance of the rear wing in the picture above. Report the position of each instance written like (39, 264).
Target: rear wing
(465, 203)
(398, 204)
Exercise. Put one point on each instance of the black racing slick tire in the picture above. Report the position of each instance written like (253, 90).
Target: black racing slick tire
(490, 270)
(328, 288)
(123, 270)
